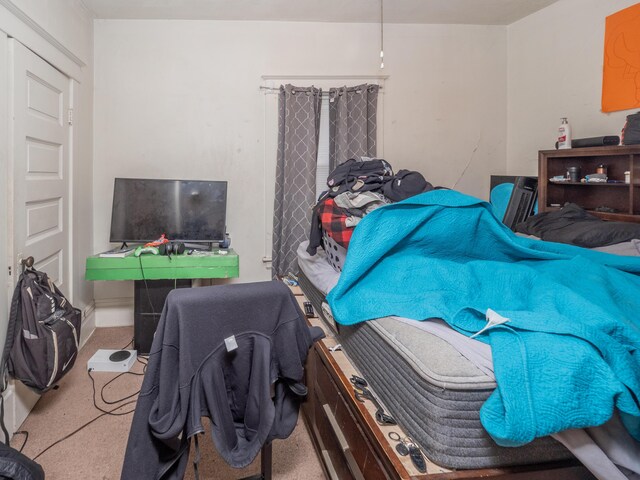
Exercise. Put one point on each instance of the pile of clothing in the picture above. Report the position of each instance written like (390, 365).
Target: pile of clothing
(356, 188)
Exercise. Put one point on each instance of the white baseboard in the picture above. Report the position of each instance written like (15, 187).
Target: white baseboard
(10, 420)
(88, 323)
(19, 401)
(114, 312)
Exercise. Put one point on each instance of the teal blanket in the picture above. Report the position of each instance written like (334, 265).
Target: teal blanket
(569, 353)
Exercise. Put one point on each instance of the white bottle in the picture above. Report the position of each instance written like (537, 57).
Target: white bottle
(564, 134)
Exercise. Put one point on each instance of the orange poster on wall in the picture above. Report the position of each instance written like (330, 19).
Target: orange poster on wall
(621, 70)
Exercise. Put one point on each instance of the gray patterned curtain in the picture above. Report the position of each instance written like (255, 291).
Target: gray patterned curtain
(352, 123)
(298, 132)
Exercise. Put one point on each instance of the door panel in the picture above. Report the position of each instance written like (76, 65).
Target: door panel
(44, 159)
(40, 164)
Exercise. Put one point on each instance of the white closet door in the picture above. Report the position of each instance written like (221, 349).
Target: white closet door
(5, 202)
(40, 135)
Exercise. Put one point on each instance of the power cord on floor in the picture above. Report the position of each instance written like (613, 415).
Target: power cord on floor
(146, 286)
(26, 437)
(104, 412)
(145, 363)
(110, 412)
(110, 402)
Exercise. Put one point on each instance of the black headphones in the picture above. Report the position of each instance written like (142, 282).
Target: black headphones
(171, 248)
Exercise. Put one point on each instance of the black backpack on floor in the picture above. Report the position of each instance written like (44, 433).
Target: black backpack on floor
(43, 333)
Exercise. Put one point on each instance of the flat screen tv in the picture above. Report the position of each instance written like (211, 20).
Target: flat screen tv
(185, 210)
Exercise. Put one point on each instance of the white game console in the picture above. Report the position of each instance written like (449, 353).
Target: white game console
(112, 361)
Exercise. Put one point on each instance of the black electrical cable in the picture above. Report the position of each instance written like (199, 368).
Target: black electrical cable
(102, 414)
(146, 286)
(26, 437)
(144, 369)
(108, 402)
(110, 412)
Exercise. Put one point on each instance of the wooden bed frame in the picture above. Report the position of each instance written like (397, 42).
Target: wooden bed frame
(352, 445)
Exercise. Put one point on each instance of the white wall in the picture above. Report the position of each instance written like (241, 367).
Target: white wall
(180, 99)
(555, 59)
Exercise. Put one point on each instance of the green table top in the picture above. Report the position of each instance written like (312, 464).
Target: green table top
(160, 267)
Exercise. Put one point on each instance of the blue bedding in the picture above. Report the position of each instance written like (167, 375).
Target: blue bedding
(569, 353)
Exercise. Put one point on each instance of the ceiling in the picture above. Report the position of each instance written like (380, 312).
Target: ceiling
(477, 12)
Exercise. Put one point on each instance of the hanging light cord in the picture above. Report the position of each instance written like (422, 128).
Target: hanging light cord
(381, 34)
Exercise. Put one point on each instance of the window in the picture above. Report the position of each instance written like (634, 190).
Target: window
(322, 169)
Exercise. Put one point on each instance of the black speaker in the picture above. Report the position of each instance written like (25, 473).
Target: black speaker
(595, 141)
(149, 297)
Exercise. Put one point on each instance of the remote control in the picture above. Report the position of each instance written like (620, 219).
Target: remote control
(416, 458)
(308, 309)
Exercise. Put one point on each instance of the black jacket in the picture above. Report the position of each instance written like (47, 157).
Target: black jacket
(193, 372)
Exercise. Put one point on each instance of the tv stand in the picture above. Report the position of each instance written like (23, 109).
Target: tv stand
(155, 276)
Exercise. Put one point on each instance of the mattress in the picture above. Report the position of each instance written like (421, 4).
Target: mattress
(433, 391)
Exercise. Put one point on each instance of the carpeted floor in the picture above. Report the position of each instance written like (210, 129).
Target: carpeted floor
(97, 451)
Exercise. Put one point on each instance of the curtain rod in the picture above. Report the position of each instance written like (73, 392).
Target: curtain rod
(324, 77)
(324, 92)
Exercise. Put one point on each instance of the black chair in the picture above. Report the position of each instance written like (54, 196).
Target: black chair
(234, 353)
(522, 202)
(265, 464)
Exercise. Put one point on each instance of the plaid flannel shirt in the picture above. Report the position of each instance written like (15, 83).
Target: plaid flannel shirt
(333, 220)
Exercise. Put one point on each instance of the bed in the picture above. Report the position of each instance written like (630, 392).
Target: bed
(433, 391)
(419, 374)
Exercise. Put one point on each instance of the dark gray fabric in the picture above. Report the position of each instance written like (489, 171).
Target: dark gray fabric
(41, 345)
(573, 225)
(352, 123)
(357, 176)
(16, 466)
(405, 184)
(192, 374)
(298, 133)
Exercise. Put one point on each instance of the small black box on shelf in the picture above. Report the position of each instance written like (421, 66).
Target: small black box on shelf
(605, 141)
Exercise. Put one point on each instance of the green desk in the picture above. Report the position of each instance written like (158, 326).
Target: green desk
(154, 277)
(160, 267)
